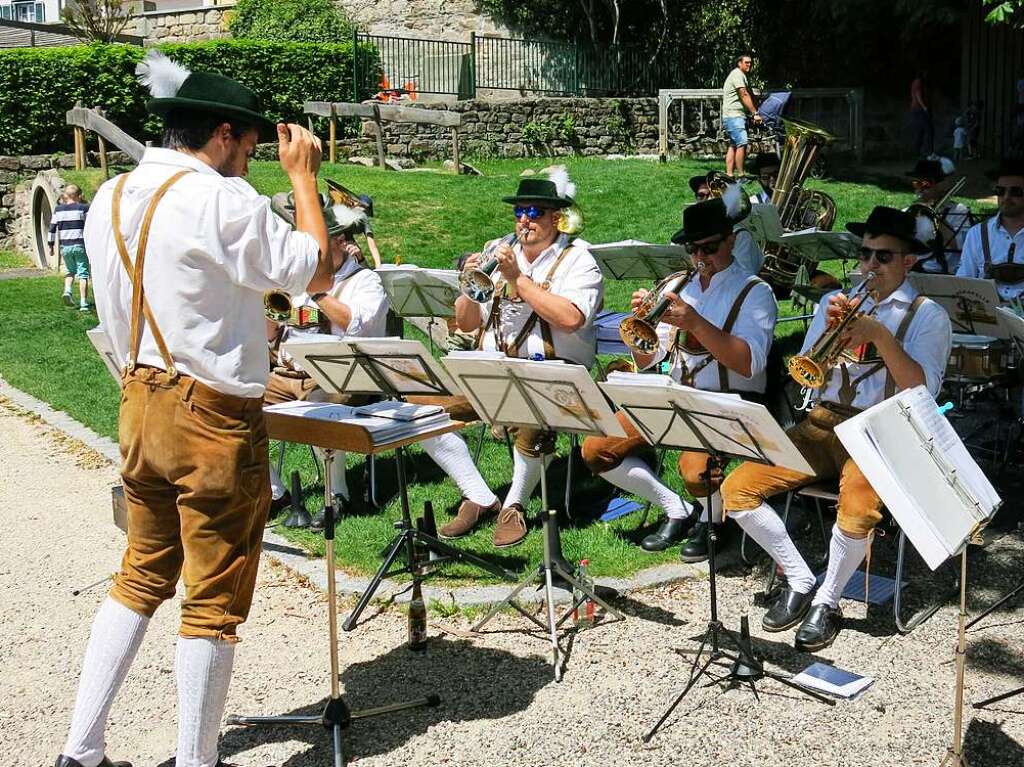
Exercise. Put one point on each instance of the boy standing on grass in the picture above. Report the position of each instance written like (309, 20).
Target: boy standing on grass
(66, 229)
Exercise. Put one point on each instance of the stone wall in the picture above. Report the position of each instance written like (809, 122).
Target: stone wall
(441, 19)
(182, 26)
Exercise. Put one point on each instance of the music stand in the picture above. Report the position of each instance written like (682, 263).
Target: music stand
(392, 368)
(723, 427)
(971, 303)
(336, 714)
(637, 260)
(553, 396)
(416, 292)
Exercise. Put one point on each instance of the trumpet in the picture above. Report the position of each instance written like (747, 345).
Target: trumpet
(640, 331)
(810, 369)
(477, 284)
(277, 305)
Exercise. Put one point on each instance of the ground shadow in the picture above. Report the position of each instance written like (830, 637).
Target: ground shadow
(986, 743)
(452, 669)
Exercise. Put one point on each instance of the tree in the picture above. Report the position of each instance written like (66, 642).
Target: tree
(97, 20)
(312, 21)
(1008, 12)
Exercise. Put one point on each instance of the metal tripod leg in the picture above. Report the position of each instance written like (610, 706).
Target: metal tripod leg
(394, 552)
(905, 627)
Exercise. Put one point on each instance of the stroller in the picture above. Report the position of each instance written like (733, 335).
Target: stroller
(773, 129)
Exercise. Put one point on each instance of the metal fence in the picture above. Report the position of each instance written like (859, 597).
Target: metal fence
(501, 63)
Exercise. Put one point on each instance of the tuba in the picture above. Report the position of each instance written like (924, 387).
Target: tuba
(639, 331)
(477, 284)
(798, 208)
(810, 369)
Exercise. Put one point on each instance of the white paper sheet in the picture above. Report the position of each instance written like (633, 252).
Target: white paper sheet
(636, 260)
(417, 292)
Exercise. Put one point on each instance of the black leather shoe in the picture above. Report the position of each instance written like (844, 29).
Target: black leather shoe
(788, 609)
(669, 534)
(277, 505)
(696, 547)
(819, 629)
(67, 761)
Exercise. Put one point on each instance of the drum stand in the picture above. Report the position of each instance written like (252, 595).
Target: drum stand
(552, 566)
(336, 715)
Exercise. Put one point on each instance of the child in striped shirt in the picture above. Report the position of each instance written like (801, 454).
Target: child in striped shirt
(66, 228)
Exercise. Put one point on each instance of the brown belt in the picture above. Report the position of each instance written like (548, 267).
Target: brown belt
(843, 411)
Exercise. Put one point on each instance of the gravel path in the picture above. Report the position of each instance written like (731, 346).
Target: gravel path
(500, 704)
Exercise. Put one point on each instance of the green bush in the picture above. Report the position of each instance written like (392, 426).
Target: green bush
(311, 21)
(38, 85)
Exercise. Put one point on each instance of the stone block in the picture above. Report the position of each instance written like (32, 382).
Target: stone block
(5, 214)
(35, 162)
(8, 177)
(66, 161)
(186, 18)
(9, 163)
(214, 17)
(7, 200)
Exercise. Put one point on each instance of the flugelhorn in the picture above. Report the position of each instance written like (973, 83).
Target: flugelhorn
(640, 330)
(810, 369)
(477, 284)
(277, 305)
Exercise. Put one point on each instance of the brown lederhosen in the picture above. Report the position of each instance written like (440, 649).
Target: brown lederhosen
(859, 505)
(603, 454)
(195, 468)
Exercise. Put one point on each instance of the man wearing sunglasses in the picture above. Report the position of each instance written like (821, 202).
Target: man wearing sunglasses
(715, 336)
(905, 343)
(766, 167)
(745, 251)
(994, 249)
(929, 178)
(548, 289)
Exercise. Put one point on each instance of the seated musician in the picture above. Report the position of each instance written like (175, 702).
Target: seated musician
(994, 249)
(930, 181)
(356, 305)
(715, 336)
(905, 343)
(766, 167)
(746, 252)
(548, 289)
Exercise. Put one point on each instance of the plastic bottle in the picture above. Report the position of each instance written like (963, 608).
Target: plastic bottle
(417, 616)
(583, 612)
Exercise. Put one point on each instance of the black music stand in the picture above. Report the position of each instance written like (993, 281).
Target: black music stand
(416, 292)
(552, 396)
(393, 369)
(720, 435)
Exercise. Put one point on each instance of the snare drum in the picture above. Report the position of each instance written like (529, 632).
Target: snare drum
(977, 359)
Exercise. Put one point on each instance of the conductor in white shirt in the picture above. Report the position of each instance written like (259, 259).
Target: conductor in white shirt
(192, 433)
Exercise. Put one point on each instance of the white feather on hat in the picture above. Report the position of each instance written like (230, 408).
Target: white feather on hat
(947, 165)
(565, 188)
(924, 229)
(347, 217)
(733, 199)
(161, 75)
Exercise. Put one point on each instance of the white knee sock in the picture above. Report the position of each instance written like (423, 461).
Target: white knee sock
(634, 476)
(204, 672)
(339, 479)
(451, 453)
(277, 488)
(116, 635)
(525, 476)
(768, 530)
(844, 557)
(716, 508)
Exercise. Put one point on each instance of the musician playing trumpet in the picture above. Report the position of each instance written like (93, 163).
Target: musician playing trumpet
(931, 182)
(714, 335)
(905, 342)
(547, 291)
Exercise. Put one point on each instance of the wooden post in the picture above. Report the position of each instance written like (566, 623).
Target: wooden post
(380, 137)
(79, 148)
(455, 151)
(333, 140)
(74, 138)
(102, 145)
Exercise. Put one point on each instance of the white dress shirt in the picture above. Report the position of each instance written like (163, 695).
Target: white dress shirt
(747, 253)
(577, 279)
(755, 325)
(214, 249)
(956, 217)
(972, 261)
(927, 341)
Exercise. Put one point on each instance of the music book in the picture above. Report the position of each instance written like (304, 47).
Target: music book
(763, 223)
(922, 471)
(382, 430)
(638, 260)
(101, 343)
(833, 681)
(418, 292)
(816, 245)
(672, 415)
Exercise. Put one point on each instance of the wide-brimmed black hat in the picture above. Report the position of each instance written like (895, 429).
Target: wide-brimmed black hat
(702, 220)
(1008, 166)
(765, 160)
(218, 95)
(696, 182)
(538, 190)
(896, 223)
(927, 170)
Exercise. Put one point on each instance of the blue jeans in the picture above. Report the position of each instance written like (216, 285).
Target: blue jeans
(736, 129)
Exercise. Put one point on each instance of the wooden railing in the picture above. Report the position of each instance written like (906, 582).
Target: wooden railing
(82, 120)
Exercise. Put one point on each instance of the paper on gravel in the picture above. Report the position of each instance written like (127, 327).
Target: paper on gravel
(833, 681)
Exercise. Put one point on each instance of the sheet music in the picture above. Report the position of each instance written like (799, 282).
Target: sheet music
(637, 260)
(972, 304)
(763, 223)
(381, 430)
(417, 292)
(921, 471)
(816, 245)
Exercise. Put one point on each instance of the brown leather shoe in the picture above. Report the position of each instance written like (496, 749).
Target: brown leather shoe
(469, 516)
(511, 527)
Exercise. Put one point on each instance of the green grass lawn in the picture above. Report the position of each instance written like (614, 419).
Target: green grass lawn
(12, 260)
(427, 218)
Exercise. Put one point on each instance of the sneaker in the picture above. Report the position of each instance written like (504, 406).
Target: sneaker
(511, 527)
(66, 298)
(469, 517)
(84, 307)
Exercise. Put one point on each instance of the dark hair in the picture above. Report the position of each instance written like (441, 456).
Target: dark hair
(191, 128)
(744, 55)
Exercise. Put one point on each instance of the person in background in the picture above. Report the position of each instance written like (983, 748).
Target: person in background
(959, 139)
(973, 119)
(66, 229)
(930, 180)
(736, 102)
(921, 126)
(745, 250)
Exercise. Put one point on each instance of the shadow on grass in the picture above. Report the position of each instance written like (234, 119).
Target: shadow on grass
(452, 669)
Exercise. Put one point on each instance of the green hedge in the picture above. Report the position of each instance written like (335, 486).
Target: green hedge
(38, 85)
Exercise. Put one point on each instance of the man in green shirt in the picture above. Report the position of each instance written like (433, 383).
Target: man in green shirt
(736, 102)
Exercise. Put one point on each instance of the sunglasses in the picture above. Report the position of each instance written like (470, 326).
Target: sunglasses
(532, 212)
(704, 248)
(701, 196)
(882, 256)
(1012, 191)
